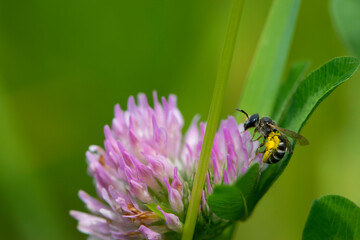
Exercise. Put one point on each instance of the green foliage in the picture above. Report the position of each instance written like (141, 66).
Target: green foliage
(315, 88)
(346, 17)
(288, 87)
(228, 202)
(302, 102)
(269, 61)
(333, 217)
(310, 92)
(236, 201)
(247, 185)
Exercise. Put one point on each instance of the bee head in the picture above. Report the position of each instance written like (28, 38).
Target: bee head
(251, 121)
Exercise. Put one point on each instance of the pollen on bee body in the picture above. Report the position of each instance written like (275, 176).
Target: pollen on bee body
(272, 141)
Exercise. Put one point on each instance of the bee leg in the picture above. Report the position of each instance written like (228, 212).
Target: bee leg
(256, 153)
(262, 144)
(253, 135)
(257, 138)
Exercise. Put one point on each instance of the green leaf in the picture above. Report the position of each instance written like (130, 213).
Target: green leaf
(288, 88)
(346, 18)
(247, 185)
(315, 88)
(333, 217)
(227, 202)
(268, 65)
(235, 202)
(310, 92)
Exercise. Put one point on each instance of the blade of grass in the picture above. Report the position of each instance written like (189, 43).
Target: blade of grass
(213, 118)
(264, 77)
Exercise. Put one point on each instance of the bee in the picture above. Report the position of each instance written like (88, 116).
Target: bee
(277, 144)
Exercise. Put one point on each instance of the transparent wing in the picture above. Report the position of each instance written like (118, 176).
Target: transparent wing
(300, 139)
(287, 143)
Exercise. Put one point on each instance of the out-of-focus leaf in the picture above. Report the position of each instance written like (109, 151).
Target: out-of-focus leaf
(235, 202)
(269, 61)
(333, 217)
(288, 88)
(346, 18)
(306, 98)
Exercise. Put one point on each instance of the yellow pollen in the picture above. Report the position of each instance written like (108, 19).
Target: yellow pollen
(272, 143)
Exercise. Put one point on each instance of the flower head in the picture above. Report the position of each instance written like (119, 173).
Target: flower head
(144, 174)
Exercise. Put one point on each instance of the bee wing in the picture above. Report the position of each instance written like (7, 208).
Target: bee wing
(288, 143)
(300, 139)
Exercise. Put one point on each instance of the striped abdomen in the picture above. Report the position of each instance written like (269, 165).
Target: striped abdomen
(279, 153)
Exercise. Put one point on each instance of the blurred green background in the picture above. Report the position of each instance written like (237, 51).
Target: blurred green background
(64, 65)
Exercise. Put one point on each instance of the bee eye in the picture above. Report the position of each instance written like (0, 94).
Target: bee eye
(254, 118)
(251, 121)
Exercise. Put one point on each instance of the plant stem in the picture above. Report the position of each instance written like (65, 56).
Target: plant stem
(213, 119)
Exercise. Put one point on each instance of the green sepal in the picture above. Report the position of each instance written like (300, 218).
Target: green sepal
(153, 207)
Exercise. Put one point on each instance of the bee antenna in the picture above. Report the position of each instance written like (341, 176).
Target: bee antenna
(240, 110)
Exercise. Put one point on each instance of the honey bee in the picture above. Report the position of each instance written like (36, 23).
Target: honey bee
(277, 144)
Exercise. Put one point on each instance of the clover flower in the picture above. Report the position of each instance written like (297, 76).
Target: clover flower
(144, 174)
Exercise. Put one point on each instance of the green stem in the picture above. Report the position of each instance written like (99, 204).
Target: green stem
(213, 119)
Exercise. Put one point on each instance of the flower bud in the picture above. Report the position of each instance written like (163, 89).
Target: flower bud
(171, 220)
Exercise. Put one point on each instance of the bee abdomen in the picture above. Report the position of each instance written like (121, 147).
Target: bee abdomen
(282, 145)
(277, 155)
